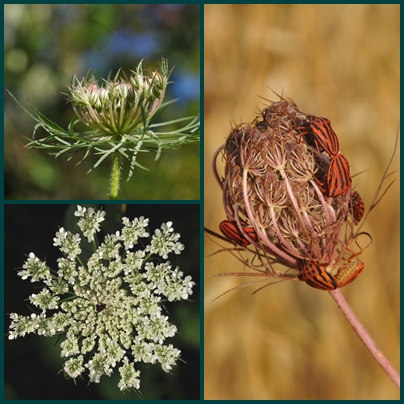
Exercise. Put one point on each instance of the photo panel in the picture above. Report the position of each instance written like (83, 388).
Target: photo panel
(115, 285)
(301, 126)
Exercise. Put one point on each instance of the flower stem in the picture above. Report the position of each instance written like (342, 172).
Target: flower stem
(115, 176)
(365, 337)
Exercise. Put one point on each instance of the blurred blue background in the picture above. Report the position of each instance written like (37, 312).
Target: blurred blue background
(46, 44)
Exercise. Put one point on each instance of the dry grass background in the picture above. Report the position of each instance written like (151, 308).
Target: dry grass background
(290, 341)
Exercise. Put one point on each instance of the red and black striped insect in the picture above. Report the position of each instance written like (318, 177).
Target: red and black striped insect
(338, 176)
(356, 207)
(318, 131)
(349, 271)
(231, 231)
(323, 136)
(316, 276)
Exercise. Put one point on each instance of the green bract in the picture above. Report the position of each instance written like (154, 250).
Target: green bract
(118, 114)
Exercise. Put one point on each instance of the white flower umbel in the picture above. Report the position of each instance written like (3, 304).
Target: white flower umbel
(110, 307)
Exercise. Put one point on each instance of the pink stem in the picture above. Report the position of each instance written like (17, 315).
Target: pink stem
(365, 337)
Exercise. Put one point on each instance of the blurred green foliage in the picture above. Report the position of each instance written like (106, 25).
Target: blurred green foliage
(45, 44)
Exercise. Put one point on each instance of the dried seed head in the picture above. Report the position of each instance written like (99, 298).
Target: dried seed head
(272, 183)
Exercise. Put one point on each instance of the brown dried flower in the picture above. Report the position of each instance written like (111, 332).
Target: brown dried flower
(275, 200)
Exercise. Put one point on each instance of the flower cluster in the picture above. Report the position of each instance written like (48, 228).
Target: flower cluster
(287, 192)
(118, 116)
(122, 105)
(109, 308)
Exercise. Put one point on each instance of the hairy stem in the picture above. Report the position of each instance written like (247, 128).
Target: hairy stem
(365, 337)
(115, 176)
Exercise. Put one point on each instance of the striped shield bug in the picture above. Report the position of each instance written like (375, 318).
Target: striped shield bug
(324, 136)
(349, 271)
(319, 131)
(338, 176)
(356, 207)
(231, 231)
(316, 276)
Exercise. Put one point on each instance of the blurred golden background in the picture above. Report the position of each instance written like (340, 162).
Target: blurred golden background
(290, 341)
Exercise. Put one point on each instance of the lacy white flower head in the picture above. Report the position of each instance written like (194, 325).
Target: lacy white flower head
(110, 307)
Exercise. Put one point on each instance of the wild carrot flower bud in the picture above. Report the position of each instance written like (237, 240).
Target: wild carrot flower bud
(272, 183)
(159, 84)
(132, 101)
(104, 96)
(118, 115)
(93, 98)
